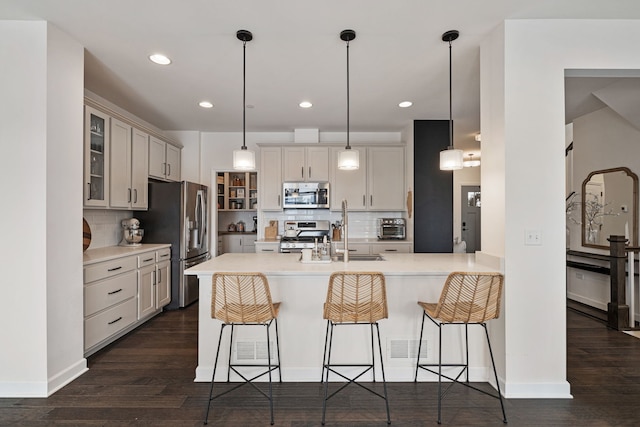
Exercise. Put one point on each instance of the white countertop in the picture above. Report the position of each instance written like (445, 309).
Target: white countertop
(277, 264)
(92, 256)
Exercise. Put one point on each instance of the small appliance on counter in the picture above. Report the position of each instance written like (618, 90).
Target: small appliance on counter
(131, 232)
(392, 228)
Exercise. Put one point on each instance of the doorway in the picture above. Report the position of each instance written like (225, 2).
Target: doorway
(470, 217)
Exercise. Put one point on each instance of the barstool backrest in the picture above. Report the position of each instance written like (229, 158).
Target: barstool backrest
(356, 297)
(469, 297)
(241, 298)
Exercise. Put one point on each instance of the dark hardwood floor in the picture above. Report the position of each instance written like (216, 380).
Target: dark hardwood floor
(146, 379)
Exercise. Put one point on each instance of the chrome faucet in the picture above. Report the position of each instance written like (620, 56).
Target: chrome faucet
(345, 233)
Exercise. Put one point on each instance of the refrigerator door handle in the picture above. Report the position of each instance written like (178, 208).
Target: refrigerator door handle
(200, 215)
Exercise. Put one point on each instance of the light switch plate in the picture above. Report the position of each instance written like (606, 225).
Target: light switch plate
(532, 237)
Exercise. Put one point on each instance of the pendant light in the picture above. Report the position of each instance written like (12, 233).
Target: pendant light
(471, 163)
(244, 159)
(348, 159)
(450, 159)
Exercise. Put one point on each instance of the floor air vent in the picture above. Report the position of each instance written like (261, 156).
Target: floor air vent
(253, 350)
(407, 349)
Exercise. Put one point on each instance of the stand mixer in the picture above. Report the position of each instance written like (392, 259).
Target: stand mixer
(131, 232)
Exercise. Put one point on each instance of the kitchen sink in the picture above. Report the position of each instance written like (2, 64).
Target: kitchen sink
(359, 257)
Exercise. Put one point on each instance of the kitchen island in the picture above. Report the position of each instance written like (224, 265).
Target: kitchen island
(301, 288)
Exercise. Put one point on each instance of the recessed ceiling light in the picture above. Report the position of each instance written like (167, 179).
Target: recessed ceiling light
(305, 104)
(205, 104)
(405, 104)
(159, 59)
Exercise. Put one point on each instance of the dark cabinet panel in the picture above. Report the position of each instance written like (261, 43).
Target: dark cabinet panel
(433, 188)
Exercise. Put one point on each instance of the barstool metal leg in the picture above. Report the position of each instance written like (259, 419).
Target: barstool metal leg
(230, 348)
(326, 368)
(495, 373)
(278, 350)
(269, 368)
(324, 353)
(419, 347)
(466, 346)
(384, 379)
(373, 354)
(439, 373)
(213, 376)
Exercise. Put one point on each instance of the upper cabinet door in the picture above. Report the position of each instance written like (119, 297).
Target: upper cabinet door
(157, 156)
(96, 158)
(120, 192)
(293, 164)
(173, 163)
(306, 164)
(385, 177)
(139, 169)
(317, 164)
(270, 184)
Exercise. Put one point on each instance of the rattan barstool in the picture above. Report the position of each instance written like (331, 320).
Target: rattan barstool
(354, 298)
(244, 299)
(466, 299)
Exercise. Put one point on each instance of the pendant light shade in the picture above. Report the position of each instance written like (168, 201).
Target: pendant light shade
(451, 158)
(471, 162)
(244, 159)
(348, 159)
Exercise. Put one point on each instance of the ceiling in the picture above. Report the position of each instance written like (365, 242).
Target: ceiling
(296, 55)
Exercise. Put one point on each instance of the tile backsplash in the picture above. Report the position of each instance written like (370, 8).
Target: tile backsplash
(105, 226)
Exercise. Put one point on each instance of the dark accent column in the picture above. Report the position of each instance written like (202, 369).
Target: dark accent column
(433, 188)
(617, 309)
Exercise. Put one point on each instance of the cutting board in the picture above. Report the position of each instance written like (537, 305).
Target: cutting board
(271, 231)
(86, 235)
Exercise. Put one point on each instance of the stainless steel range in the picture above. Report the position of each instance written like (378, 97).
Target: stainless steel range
(300, 235)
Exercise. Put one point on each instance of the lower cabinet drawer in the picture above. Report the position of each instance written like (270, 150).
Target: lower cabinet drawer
(109, 322)
(103, 294)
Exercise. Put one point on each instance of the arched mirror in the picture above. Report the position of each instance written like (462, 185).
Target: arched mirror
(609, 207)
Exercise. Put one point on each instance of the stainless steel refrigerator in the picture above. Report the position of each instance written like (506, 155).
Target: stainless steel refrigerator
(178, 214)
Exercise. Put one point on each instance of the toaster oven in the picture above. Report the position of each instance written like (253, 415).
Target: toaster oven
(392, 228)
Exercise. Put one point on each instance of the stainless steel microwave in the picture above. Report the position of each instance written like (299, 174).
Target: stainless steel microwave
(305, 195)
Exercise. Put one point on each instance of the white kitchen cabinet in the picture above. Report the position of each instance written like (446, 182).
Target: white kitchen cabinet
(139, 169)
(238, 243)
(164, 160)
(109, 300)
(122, 293)
(129, 164)
(385, 247)
(306, 164)
(146, 291)
(154, 282)
(385, 179)
(348, 184)
(268, 247)
(163, 283)
(378, 185)
(270, 185)
(96, 158)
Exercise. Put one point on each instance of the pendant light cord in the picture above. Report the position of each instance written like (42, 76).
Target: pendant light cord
(244, 91)
(348, 146)
(450, 101)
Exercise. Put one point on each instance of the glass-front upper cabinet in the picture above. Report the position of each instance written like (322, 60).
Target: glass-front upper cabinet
(96, 158)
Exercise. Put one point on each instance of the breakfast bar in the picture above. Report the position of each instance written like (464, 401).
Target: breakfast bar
(301, 289)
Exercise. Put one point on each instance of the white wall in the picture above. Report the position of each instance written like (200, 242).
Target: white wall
(535, 60)
(64, 178)
(41, 182)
